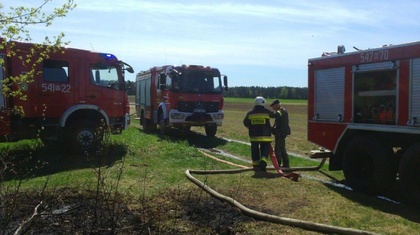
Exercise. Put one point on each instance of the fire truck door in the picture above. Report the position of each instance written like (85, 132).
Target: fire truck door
(56, 89)
(105, 90)
(4, 118)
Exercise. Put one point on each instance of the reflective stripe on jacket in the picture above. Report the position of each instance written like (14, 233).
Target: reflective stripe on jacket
(257, 120)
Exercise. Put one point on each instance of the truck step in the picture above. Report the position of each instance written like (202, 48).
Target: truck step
(320, 153)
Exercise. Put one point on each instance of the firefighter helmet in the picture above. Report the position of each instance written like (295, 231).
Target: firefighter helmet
(259, 100)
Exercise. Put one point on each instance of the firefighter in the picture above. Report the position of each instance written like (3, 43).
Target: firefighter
(257, 120)
(280, 130)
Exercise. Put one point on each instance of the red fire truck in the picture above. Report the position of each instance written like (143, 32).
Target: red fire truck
(72, 92)
(363, 110)
(180, 97)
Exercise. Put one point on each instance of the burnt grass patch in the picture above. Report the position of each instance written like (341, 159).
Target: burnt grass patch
(71, 211)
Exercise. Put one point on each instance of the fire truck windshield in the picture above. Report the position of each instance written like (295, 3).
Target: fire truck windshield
(197, 82)
(106, 76)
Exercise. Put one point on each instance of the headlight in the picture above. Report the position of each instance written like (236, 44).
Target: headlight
(218, 116)
(177, 116)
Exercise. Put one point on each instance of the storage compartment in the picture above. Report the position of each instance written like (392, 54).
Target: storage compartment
(375, 95)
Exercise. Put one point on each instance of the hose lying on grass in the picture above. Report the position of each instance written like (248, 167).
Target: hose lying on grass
(308, 168)
(263, 216)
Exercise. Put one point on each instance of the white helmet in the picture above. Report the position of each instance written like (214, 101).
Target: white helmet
(259, 100)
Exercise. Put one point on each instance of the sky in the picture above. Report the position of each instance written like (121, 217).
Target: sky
(255, 43)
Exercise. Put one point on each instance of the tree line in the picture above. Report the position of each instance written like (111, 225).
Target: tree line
(283, 92)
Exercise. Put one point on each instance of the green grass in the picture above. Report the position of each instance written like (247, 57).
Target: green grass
(151, 167)
(233, 128)
(147, 157)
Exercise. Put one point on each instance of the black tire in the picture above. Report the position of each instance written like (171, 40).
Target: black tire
(368, 165)
(147, 124)
(186, 128)
(83, 136)
(211, 130)
(409, 175)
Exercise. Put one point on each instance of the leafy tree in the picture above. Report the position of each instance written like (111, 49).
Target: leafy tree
(14, 24)
(284, 93)
(268, 92)
(293, 92)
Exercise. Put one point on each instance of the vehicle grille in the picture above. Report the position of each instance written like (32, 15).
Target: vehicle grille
(194, 105)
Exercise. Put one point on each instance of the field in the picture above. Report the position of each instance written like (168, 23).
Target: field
(236, 108)
(137, 184)
(315, 198)
(297, 109)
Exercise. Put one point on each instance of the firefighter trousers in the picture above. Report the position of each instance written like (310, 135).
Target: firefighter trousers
(281, 152)
(259, 153)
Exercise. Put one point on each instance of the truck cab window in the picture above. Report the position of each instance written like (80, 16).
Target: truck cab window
(175, 84)
(55, 71)
(106, 76)
(201, 82)
(168, 82)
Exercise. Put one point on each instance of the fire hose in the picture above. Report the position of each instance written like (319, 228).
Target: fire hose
(264, 216)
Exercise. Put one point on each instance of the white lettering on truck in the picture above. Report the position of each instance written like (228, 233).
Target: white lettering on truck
(367, 57)
(50, 87)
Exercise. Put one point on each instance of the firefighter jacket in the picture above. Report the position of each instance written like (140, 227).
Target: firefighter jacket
(257, 120)
(281, 124)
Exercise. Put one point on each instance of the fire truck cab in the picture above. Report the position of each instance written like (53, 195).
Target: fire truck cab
(73, 94)
(180, 97)
(363, 110)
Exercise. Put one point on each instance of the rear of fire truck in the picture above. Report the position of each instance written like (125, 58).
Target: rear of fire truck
(363, 110)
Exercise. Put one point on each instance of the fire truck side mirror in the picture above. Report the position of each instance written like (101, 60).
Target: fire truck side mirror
(127, 67)
(225, 82)
(130, 70)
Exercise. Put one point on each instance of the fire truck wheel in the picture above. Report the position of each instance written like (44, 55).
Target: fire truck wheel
(186, 128)
(83, 136)
(211, 130)
(409, 175)
(147, 124)
(368, 166)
